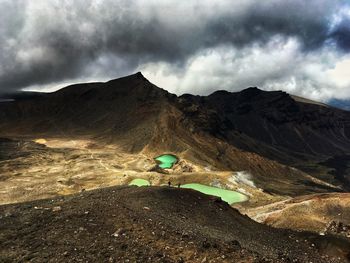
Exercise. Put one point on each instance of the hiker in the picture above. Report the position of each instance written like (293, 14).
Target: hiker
(169, 183)
(178, 185)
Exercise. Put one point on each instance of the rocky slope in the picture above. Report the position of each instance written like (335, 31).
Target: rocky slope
(320, 213)
(151, 224)
(277, 126)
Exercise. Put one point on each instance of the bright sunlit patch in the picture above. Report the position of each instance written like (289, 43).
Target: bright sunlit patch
(41, 141)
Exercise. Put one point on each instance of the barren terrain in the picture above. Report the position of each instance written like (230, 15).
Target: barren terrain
(151, 224)
(60, 151)
(56, 166)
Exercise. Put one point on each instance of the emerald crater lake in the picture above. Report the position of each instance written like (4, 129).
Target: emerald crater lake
(228, 196)
(166, 161)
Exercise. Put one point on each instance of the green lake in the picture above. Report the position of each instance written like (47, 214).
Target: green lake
(226, 195)
(166, 161)
(140, 182)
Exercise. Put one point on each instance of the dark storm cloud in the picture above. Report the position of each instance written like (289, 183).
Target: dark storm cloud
(260, 26)
(43, 42)
(341, 35)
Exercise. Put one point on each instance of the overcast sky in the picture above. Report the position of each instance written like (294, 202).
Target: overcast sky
(300, 46)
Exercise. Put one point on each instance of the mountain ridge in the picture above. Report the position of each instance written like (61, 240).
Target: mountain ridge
(263, 132)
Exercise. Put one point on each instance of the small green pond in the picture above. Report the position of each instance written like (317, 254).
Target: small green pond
(140, 182)
(226, 195)
(166, 161)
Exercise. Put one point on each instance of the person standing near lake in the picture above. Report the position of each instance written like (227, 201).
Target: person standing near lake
(169, 183)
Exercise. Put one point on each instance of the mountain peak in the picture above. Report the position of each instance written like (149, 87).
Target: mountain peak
(252, 90)
(135, 76)
(138, 75)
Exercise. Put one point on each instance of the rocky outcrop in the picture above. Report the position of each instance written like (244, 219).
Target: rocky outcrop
(337, 228)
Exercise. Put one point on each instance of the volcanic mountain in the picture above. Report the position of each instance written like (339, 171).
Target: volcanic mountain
(289, 145)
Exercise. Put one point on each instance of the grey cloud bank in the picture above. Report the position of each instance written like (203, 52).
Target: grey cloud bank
(193, 46)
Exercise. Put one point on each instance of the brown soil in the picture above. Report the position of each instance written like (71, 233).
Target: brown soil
(311, 213)
(150, 224)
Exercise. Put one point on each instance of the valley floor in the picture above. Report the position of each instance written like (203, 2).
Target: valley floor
(39, 168)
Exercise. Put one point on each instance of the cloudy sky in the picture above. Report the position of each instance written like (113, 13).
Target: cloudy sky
(300, 46)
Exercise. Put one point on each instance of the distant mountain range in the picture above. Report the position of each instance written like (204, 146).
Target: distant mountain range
(341, 104)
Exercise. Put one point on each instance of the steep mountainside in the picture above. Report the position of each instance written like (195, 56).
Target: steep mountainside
(114, 107)
(276, 126)
(274, 119)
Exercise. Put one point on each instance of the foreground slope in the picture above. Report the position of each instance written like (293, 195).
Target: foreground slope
(153, 224)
